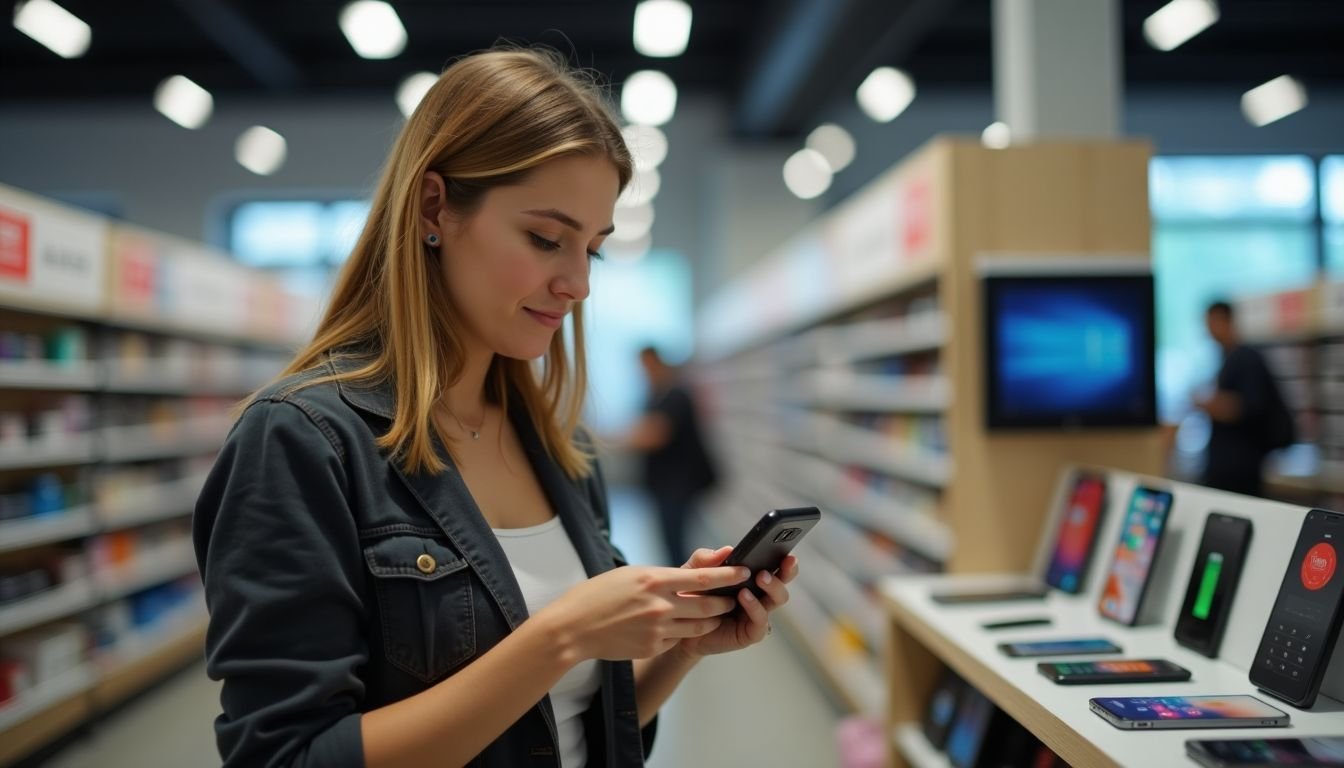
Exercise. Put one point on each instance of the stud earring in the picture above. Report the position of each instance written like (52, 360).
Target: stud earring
(432, 240)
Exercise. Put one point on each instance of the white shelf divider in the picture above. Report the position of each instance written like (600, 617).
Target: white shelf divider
(164, 564)
(841, 389)
(58, 602)
(148, 442)
(71, 375)
(46, 695)
(48, 452)
(44, 529)
(151, 503)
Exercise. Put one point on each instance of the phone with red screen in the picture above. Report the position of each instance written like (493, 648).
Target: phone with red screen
(1077, 534)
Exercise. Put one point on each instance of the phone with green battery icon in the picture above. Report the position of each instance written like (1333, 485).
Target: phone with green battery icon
(1213, 583)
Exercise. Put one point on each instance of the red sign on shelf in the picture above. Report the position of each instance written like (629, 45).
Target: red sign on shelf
(918, 209)
(1293, 310)
(15, 246)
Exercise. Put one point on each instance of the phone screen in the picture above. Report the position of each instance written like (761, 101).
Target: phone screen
(1238, 707)
(1213, 582)
(968, 731)
(1061, 647)
(1321, 752)
(1077, 534)
(1125, 667)
(1134, 554)
(1305, 619)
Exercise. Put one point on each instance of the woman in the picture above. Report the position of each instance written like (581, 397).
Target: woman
(404, 541)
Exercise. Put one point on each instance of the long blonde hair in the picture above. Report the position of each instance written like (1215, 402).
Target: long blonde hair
(489, 119)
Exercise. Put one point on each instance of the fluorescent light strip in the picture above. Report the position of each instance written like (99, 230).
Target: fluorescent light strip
(1273, 101)
(1178, 21)
(64, 33)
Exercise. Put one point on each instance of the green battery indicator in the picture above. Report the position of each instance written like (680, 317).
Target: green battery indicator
(1207, 585)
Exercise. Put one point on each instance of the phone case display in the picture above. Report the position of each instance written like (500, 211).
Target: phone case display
(1305, 621)
(1213, 583)
(942, 707)
(1135, 553)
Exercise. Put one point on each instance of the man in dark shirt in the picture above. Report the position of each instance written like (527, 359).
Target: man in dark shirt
(1246, 398)
(677, 466)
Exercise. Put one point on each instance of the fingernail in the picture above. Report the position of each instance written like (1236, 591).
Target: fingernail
(744, 573)
(766, 578)
(750, 597)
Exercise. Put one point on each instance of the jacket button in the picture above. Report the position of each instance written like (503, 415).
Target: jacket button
(426, 564)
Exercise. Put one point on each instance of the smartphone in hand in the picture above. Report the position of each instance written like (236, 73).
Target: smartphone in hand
(768, 542)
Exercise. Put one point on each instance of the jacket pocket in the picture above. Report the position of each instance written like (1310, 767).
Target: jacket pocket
(424, 604)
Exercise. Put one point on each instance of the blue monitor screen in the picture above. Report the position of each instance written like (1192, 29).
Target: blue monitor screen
(1070, 350)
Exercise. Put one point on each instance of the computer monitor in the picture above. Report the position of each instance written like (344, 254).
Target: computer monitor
(1069, 348)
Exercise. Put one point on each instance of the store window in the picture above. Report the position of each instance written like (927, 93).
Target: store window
(1222, 227)
(302, 240)
(1332, 213)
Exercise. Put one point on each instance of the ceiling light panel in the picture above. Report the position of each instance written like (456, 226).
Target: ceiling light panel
(807, 174)
(834, 143)
(184, 102)
(1274, 100)
(1178, 21)
(885, 94)
(648, 97)
(260, 150)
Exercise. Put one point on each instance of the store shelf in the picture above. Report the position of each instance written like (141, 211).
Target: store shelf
(49, 694)
(848, 444)
(151, 503)
(166, 441)
(48, 452)
(872, 393)
(54, 603)
(73, 375)
(166, 378)
(161, 565)
(45, 529)
(875, 339)
(154, 656)
(916, 749)
(855, 679)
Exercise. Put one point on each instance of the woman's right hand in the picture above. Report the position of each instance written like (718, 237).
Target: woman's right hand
(635, 612)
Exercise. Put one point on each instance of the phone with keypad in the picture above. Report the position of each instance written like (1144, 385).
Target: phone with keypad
(1305, 621)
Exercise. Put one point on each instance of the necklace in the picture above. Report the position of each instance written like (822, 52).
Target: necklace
(475, 433)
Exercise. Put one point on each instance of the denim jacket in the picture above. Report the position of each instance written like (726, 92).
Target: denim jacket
(337, 583)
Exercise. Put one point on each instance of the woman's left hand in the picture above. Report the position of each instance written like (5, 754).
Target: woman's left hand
(751, 622)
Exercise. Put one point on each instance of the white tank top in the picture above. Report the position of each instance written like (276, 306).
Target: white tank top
(546, 564)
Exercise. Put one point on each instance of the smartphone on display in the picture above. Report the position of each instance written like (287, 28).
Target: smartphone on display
(1213, 583)
(942, 708)
(1304, 622)
(1172, 712)
(1117, 671)
(1318, 752)
(1132, 563)
(966, 738)
(768, 542)
(990, 596)
(1070, 647)
(1077, 534)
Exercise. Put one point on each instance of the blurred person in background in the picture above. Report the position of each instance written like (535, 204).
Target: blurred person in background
(1247, 414)
(405, 540)
(677, 468)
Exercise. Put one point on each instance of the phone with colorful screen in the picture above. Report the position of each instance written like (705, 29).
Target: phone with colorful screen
(1171, 712)
(1213, 583)
(1077, 534)
(1305, 620)
(1114, 671)
(1135, 553)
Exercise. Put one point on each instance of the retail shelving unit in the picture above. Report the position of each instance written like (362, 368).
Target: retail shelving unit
(1302, 335)
(844, 370)
(925, 637)
(123, 351)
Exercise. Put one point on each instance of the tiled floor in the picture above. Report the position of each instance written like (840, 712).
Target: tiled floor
(756, 708)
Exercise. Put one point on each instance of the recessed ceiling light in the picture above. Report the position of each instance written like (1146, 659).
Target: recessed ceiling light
(260, 150)
(807, 174)
(413, 89)
(996, 135)
(64, 33)
(1178, 21)
(662, 27)
(648, 97)
(834, 143)
(373, 29)
(885, 94)
(184, 102)
(647, 145)
(1274, 100)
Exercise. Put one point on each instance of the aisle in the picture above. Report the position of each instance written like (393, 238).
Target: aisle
(758, 707)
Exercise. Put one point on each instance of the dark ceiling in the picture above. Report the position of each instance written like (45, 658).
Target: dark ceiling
(778, 62)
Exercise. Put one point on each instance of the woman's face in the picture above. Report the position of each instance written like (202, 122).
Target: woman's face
(519, 263)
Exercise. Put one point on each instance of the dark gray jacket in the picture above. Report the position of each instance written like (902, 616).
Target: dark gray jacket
(309, 542)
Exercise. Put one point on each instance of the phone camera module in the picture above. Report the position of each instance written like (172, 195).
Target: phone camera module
(788, 534)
